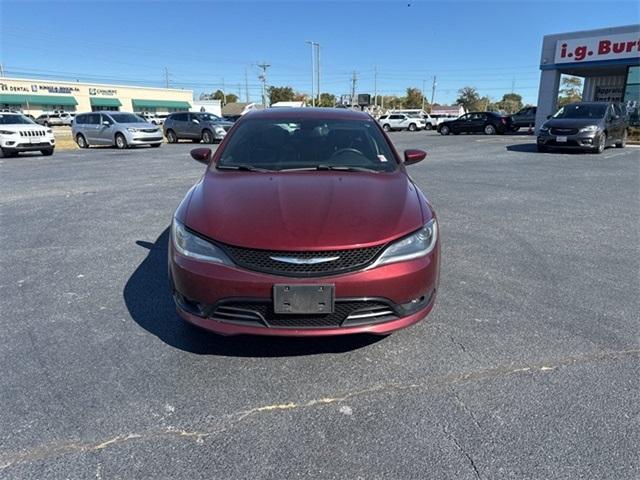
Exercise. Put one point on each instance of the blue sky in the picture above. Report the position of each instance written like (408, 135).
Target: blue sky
(493, 46)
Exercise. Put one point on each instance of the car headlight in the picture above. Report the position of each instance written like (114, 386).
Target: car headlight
(416, 245)
(219, 130)
(193, 246)
(49, 130)
(589, 128)
(133, 130)
(7, 132)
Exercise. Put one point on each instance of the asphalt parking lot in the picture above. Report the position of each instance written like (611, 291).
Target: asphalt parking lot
(526, 369)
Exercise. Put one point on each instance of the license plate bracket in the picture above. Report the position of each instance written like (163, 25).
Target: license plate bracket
(561, 139)
(310, 299)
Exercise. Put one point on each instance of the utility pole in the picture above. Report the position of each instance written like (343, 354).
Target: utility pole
(1, 70)
(354, 80)
(224, 94)
(422, 95)
(166, 77)
(375, 85)
(513, 84)
(246, 86)
(433, 91)
(263, 79)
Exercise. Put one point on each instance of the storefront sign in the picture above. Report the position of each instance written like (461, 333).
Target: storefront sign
(606, 47)
(54, 89)
(107, 92)
(608, 94)
(6, 87)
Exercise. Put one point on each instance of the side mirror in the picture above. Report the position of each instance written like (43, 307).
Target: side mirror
(195, 120)
(202, 155)
(106, 123)
(413, 156)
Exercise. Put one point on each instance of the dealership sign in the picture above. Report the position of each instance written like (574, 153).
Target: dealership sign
(603, 47)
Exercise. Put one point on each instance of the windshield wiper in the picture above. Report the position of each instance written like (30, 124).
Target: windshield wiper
(340, 168)
(244, 168)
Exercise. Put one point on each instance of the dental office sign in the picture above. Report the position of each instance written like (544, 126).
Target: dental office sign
(604, 47)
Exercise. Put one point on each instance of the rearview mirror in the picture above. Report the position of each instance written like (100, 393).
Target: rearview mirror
(413, 156)
(202, 155)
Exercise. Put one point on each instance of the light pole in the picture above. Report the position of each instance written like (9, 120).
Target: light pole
(313, 70)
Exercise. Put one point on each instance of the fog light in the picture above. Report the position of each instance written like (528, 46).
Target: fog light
(10, 143)
(416, 304)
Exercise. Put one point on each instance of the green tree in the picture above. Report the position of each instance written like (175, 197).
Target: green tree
(217, 95)
(571, 91)
(470, 99)
(510, 103)
(280, 94)
(413, 99)
(327, 100)
(220, 95)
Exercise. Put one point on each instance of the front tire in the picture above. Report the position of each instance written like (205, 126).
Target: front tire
(172, 137)
(623, 141)
(445, 130)
(602, 143)
(81, 141)
(428, 126)
(386, 127)
(47, 152)
(489, 130)
(121, 142)
(207, 136)
(412, 127)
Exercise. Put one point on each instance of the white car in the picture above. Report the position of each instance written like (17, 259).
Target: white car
(151, 118)
(400, 121)
(21, 134)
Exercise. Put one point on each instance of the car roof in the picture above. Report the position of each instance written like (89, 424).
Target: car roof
(306, 113)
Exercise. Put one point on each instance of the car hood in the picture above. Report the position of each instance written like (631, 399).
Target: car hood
(304, 210)
(221, 123)
(572, 122)
(137, 125)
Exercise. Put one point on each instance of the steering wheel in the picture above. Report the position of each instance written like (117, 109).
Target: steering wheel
(346, 150)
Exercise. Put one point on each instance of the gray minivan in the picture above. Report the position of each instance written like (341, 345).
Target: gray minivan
(195, 126)
(121, 129)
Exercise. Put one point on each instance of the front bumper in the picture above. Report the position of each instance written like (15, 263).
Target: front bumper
(578, 141)
(379, 300)
(144, 138)
(16, 143)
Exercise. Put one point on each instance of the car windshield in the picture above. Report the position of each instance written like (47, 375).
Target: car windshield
(14, 119)
(581, 111)
(291, 144)
(127, 118)
(208, 117)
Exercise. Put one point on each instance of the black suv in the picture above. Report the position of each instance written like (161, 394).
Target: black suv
(524, 118)
(591, 126)
(488, 123)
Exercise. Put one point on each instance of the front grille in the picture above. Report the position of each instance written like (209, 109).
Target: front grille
(261, 261)
(564, 131)
(33, 133)
(348, 312)
(149, 130)
(39, 144)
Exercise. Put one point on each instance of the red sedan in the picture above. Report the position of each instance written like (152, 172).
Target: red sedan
(305, 223)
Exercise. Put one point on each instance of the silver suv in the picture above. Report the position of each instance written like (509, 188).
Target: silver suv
(400, 121)
(121, 129)
(195, 127)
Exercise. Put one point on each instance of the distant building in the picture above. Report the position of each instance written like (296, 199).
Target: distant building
(36, 96)
(447, 110)
(237, 109)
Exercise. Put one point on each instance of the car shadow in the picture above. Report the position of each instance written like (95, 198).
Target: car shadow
(523, 147)
(147, 296)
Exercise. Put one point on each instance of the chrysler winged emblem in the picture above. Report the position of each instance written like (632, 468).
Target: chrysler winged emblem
(304, 261)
